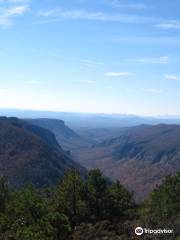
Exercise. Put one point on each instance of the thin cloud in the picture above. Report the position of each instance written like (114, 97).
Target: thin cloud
(152, 90)
(135, 6)
(118, 74)
(160, 60)
(88, 63)
(169, 25)
(8, 14)
(160, 40)
(59, 14)
(87, 81)
(172, 77)
(18, 1)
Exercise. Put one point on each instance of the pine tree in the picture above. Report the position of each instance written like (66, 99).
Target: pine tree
(70, 197)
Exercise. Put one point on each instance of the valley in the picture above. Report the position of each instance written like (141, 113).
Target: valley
(139, 156)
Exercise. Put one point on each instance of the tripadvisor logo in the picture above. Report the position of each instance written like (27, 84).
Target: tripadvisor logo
(140, 231)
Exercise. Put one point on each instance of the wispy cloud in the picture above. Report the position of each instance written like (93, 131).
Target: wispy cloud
(135, 6)
(172, 77)
(59, 14)
(158, 40)
(87, 81)
(12, 10)
(88, 63)
(118, 74)
(151, 90)
(17, 1)
(145, 90)
(169, 25)
(160, 60)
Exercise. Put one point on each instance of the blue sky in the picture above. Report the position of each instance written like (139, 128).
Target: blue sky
(107, 56)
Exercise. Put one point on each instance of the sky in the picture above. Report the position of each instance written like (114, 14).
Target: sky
(101, 56)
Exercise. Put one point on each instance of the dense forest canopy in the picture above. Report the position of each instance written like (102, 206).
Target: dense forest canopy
(93, 208)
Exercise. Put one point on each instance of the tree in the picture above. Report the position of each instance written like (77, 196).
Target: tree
(163, 205)
(119, 202)
(30, 216)
(70, 197)
(96, 194)
(4, 194)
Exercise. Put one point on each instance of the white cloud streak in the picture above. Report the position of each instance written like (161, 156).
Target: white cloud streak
(118, 74)
(159, 40)
(172, 77)
(169, 25)
(135, 6)
(160, 60)
(59, 14)
(152, 90)
(10, 10)
(87, 81)
(88, 63)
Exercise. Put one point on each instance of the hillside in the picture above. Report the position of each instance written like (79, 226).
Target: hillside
(31, 154)
(140, 157)
(97, 135)
(65, 136)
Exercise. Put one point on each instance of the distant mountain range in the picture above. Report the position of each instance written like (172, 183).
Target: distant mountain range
(140, 157)
(31, 154)
(87, 120)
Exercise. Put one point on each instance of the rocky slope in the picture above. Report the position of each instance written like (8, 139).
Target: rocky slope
(140, 157)
(31, 154)
(65, 136)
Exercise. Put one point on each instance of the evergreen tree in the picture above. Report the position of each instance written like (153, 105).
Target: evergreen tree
(163, 206)
(70, 197)
(97, 186)
(4, 194)
(119, 202)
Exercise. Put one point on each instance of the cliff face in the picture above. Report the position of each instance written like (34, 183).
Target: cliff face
(31, 154)
(65, 136)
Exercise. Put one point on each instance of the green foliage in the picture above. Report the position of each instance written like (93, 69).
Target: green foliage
(77, 207)
(163, 206)
(4, 194)
(96, 194)
(70, 197)
(28, 216)
(107, 201)
(164, 202)
(119, 202)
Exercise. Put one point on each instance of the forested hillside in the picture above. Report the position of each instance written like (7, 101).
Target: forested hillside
(140, 157)
(31, 154)
(90, 209)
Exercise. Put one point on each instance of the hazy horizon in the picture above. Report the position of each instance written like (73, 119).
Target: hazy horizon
(104, 56)
(88, 113)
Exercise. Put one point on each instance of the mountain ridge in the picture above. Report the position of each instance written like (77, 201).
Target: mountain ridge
(65, 136)
(31, 154)
(140, 157)
(92, 120)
